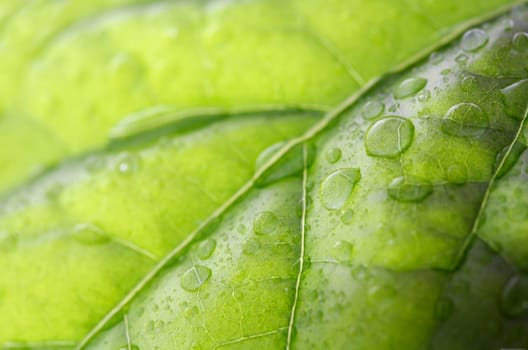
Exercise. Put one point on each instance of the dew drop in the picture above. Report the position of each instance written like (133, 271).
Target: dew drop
(514, 296)
(514, 99)
(474, 39)
(469, 83)
(444, 309)
(251, 247)
(343, 251)
(465, 119)
(333, 155)
(409, 87)
(206, 248)
(424, 96)
(409, 189)
(347, 216)
(337, 187)
(195, 277)
(89, 234)
(462, 58)
(520, 42)
(457, 173)
(265, 223)
(389, 137)
(128, 163)
(372, 109)
(436, 57)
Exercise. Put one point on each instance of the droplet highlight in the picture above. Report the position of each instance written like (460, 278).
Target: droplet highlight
(372, 109)
(128, 163)
(195, 277)
(465, 119)
(389, 137)
(520, 42)
(337, 187)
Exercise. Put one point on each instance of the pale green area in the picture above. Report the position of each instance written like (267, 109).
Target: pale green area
(372, 258)
(78, 68)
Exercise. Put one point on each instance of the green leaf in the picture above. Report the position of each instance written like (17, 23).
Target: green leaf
(255, 222)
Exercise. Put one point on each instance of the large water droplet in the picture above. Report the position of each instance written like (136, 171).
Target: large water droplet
(372, 109)
(409, 87)
(128, 163)
(465, 119)
(514, 296)
(337, 187)
(389, 137)
(520, 42)
(443, 309)
(409, 189)
(474, 39)
(206, 248)
(333, 155)
(89, 234)
(265, 223)
(514, 99)
(195, 277)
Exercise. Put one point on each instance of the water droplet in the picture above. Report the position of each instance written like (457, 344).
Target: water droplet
(520, 42)
(333, 155)
(514, 296)
(424, 96)
(389, 137)
(195, 277)
(409, 189)
(465, 119)
(343, 251)
(462, 58)
(469, 83)
(514, 99)
(474, 39)
(206, 248)
(347, 216)
(457, 173)
(251, 247)
(436, 57)
(337, 187)
(409, 87)
(507, 24)
(372, 109)
(128, 163)
(89, 234)
(444, 309)
(265, 223)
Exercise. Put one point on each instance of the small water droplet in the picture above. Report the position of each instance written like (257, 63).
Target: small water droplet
(444, 309)
(520, 42)
(206, 248)
(333, 155)
(265, 223)
(474, 39)
(389, 137)
(468, 83)
(436, 57)
(424, 96)
(195, 277)
(445, 71)
(409, 189)
(514, 99)
(465, 119)
(507, 24)
(514, 296)
(128, 163)
(409, 87)
(462, 58)
(457, 173)
(89, 234)
(337, 187)
(347, 216)
(372, 109)
(343, 251)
